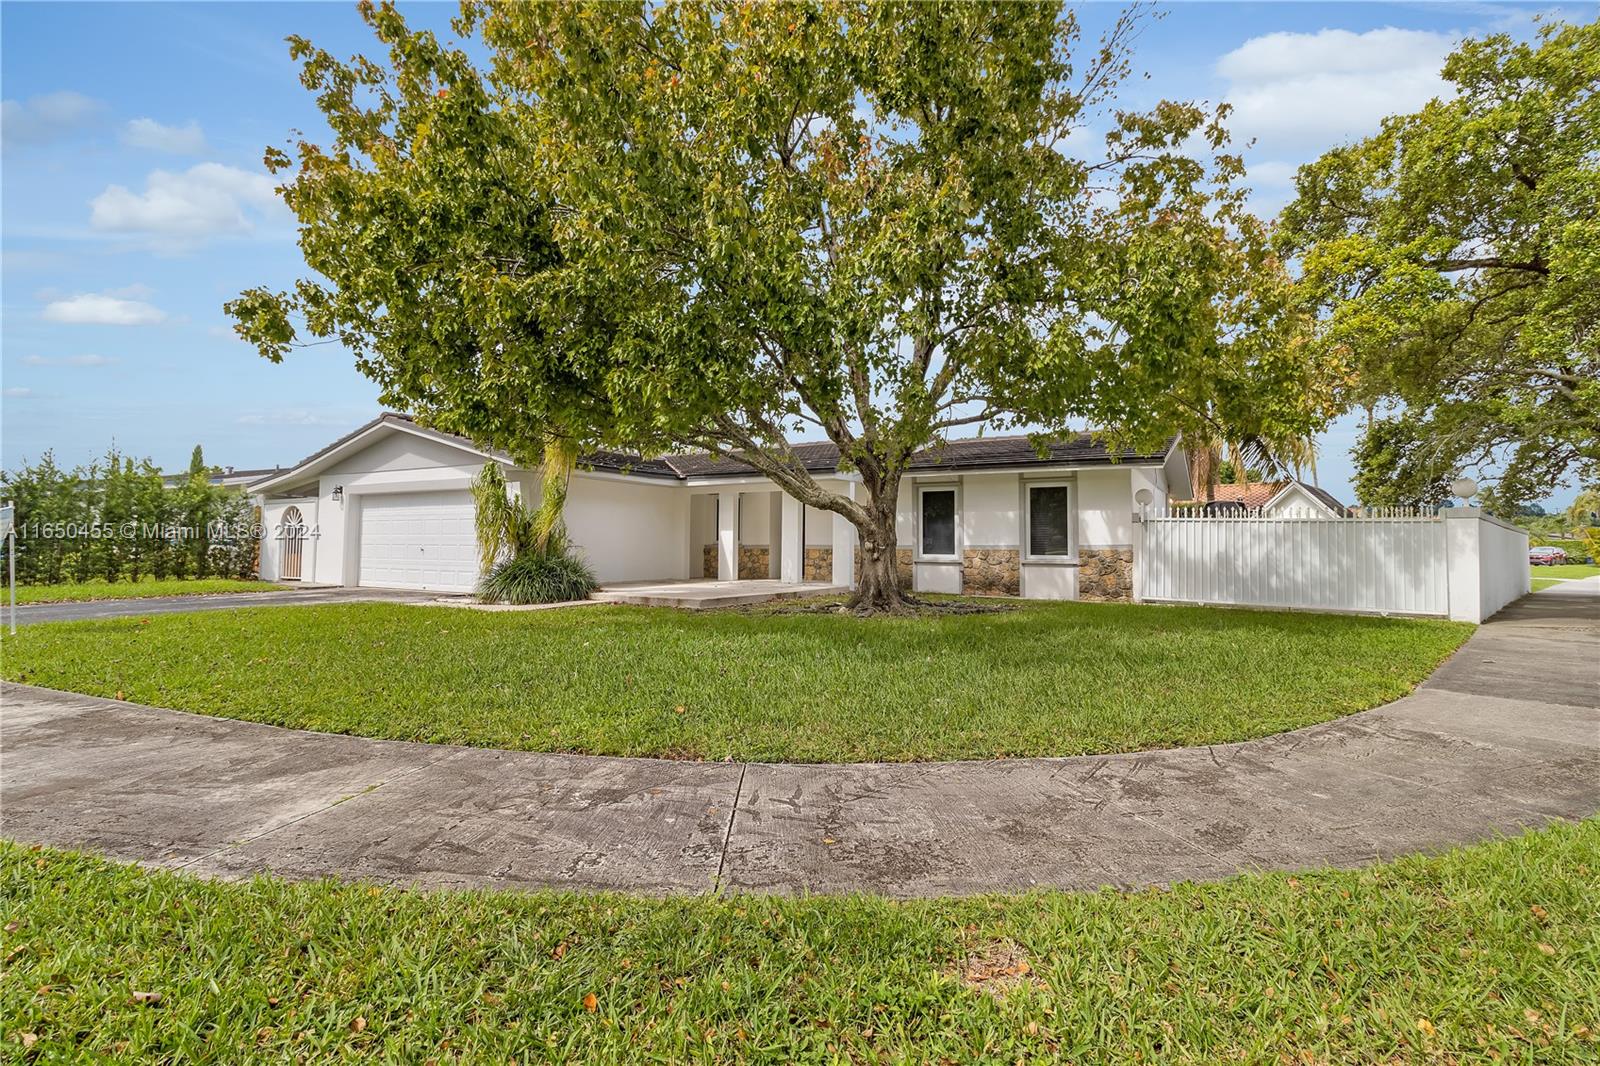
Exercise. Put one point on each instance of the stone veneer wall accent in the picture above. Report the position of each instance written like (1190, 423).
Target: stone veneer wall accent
(991, 572)
(819, 565)
(1105, 575)
(754, 562)
(708, 565)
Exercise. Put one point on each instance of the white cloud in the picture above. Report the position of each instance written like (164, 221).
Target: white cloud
(182, 210)
(1295, 93)
(1273, 173)
(18, 393)
(41, 119)
(68, 360)
(103, 309)
(178, 140)
(136, 291)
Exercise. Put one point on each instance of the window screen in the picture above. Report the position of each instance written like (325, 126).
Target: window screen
(1048, 520)
(939, 522)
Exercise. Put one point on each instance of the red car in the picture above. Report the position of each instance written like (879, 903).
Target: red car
(1546, 556)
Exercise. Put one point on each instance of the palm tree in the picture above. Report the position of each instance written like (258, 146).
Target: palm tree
(1288, 456)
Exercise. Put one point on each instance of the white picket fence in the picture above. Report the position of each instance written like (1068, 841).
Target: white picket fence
(1460, 564)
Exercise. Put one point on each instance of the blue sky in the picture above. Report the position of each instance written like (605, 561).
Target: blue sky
(134, 202)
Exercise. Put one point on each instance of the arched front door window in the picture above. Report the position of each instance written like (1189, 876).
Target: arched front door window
(292, 542)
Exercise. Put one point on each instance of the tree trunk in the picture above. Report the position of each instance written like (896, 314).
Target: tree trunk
(878, 588)
(1203, 463)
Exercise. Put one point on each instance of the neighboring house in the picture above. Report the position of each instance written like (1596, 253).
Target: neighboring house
(389, 506)
(1271, 499)
(226, 476)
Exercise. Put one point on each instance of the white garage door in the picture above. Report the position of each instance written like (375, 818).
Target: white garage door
(418, 540)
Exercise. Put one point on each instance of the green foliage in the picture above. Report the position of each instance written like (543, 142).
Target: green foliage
(1455, 257)
(1585, 510)
(523, 552)
(548, 577)
(1228, 474)
(115, 520)
(850, 219)
(504, 525)
(1481, 954)
(1395, 468)
(818, 686)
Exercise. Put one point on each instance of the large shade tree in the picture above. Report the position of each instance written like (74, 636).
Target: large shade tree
(724, 226)
(1456, 257)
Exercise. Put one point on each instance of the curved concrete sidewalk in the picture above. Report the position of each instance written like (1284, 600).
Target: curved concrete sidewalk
(1504, 736)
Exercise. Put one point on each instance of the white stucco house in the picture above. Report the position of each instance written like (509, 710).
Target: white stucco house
(388, 506)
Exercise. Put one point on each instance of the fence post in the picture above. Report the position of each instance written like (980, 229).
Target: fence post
(1463, 551)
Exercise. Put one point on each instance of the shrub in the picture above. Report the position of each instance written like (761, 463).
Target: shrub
(554, 577)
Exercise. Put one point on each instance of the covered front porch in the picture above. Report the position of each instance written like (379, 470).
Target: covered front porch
(751, 533)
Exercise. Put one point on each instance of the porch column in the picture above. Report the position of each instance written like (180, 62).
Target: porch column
(844, 543)
(791, 548)
(727, 536)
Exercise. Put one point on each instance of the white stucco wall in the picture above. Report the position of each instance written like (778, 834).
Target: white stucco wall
(755, 517)
(1049, 581)
(630, 530)
(905, 515)
(819, 528)
(991, 511)
(703, 519)
(1105, 507)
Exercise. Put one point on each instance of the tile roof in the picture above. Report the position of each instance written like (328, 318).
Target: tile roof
(1255, 494)
(1258, 494)
(975, 453)
(818, 457)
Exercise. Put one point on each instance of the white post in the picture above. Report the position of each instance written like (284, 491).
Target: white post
(727, 536)
(1141, 554)
(1463, 548)
(11, 557)
(791, 546)
(844, 544)
(775, 534)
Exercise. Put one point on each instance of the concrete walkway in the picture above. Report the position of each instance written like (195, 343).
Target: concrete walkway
(710, 593)
(1504, 736)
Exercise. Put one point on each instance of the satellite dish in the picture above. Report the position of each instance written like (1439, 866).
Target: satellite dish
(1464, 487)
(1143, 497)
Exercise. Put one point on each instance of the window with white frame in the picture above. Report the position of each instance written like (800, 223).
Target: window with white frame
(1049, 514)
(937, 522)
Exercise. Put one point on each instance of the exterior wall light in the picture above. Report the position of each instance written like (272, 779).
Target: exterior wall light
(338, 494)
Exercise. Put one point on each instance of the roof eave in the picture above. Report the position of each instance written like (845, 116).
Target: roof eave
(355, 440)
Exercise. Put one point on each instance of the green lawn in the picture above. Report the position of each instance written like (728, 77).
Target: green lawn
(78, 591)
(1044, 679)
(1546, 576)
(1486, 953)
